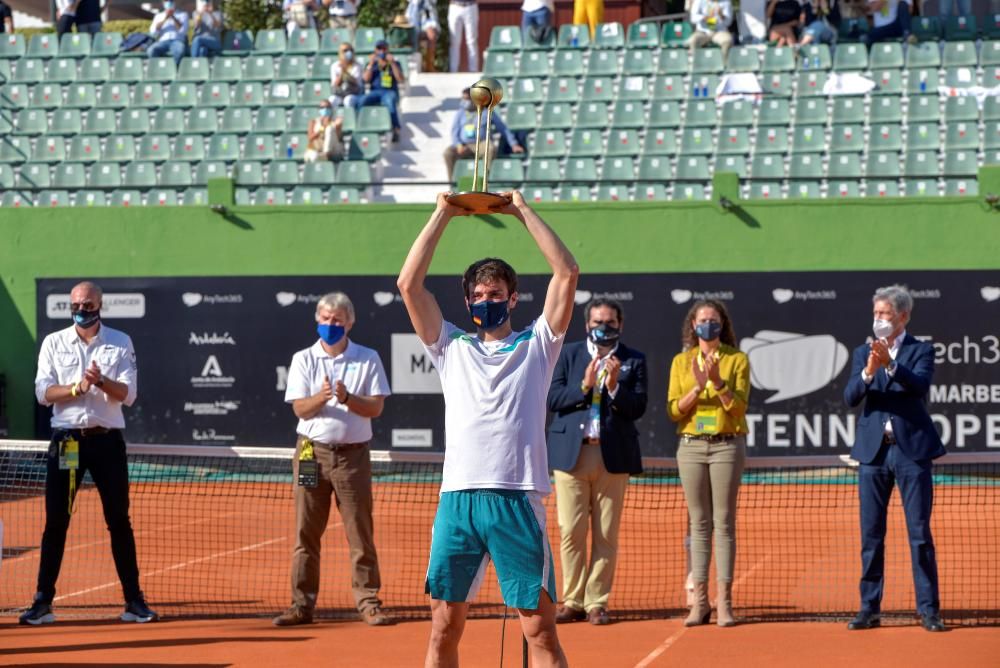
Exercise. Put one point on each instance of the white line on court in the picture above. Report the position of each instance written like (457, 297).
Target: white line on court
(664, 646)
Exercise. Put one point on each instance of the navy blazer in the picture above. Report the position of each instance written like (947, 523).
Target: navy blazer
(901, 399)
(619, 437)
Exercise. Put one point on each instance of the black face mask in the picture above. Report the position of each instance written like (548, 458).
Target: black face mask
(86, 319)
(604, 335)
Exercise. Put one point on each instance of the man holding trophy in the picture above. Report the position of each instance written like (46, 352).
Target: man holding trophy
(495, 383)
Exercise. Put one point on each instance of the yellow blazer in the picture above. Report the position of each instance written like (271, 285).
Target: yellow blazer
(734, 368)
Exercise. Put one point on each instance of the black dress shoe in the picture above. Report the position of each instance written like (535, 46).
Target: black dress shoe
(932, 622)
(865, 620)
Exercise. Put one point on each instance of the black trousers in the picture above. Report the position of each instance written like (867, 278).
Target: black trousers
(104, 456)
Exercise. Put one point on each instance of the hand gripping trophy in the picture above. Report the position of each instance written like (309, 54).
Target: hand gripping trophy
(485, 94)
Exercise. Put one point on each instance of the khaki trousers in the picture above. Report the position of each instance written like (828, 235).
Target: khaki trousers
(345, 474)
(589, 497)
(722, 38)
(710, 475)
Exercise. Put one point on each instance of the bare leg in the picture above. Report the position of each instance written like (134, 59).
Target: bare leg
(539, 628)
(447, 625)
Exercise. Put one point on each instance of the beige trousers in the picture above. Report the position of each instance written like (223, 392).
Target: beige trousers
(588, 497)
(723, 39)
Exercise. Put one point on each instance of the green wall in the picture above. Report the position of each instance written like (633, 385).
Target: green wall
(909, 233)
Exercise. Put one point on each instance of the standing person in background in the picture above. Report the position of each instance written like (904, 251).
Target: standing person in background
(88, 16)
(6, 18)
(896, 443)
(711, 19)
(335, 387)
(346, 78)
(784, 20)
(299, 15)
(707, 398)
(86, 372)
(423, 15)
(66, 13)
(537, 19)
(589, 13)
(598, 391)
(960, 7)
(170, 29)
(208, 24)
(463, 18)
(343, 14)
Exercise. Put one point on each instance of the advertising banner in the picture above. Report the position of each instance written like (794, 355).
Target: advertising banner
(213, 352)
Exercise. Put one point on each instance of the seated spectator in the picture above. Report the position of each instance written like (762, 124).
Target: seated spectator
(345, 79)
(784, 19)
(423, 15)
(383, 76)
(343, 14)
(752, 21)
(711, 19)
(169, 29)
(822, 17)
(463, 134)
(299, 15)
(208, 25)
(88, 16)
(536, 20)
(325, 139)
(890, 21)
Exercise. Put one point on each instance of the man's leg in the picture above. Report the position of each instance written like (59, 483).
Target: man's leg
(607, 501)
(698, 40)
(56, 522)
(573, 511)
(455, 36)
(178, 49)
(390, 100)
(916, 490)
(447, 625)
(472, 36)
(875, 483)
(539, 628)
(158, 50)
(312, 510)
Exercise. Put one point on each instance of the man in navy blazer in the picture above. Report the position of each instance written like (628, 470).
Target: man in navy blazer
(895, 442)
(598, 391)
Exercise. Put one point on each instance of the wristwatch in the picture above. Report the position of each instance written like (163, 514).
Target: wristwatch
(100, 382)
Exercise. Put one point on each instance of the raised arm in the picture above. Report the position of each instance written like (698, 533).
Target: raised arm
(425, 314)
(565, 271)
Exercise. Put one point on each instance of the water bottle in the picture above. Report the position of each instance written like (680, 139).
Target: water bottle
(574, 41)
(805, 63)
(704, 90)
(816, 61)
(697, 90)
(289, 152)
(923, 81)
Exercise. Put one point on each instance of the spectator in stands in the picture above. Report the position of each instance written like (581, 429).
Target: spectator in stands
(6, 18)
(588, 12)
(784, 20)
(325, 138)
(343, 14)
(752, 21)
(961, 7)
(383, 76)
(537, 18)
(890, 20)
(88, 16)
(711, 19)
(345, 78)
(821, 22)
(707, 398)
(65, 13)
(169, 28)
(208, 25)
(423, 14)
(299, 15)
(598, 391)
(463, 16)
(463, 134)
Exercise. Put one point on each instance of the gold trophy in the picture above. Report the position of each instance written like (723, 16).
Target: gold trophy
(485, 94)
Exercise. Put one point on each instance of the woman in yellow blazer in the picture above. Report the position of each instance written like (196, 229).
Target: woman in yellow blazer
(709, 387)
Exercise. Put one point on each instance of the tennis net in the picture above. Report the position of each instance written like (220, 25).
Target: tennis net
(215, 530)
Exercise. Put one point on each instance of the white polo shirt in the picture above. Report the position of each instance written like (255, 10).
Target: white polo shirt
(494, 395)
(361, 370)
(63, 359)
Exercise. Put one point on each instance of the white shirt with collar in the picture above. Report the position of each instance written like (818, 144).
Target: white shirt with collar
(889, 370)
(165, 28)
(359, 367)
(64, 357)
(593, 429)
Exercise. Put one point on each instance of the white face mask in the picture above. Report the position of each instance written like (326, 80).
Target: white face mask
(882, 328)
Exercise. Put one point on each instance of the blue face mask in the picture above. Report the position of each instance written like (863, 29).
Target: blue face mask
(489, 315)
(330, 334)
(604, 335)
(708, 331)
(325, 112)
(86, 319)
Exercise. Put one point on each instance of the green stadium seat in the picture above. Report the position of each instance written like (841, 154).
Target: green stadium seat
(224, 147)
(49, 149)
(283, 173)
(844, 188)
(581, 170)
(623, 142)
(13, 199)
(844, 166)
(650, 192)
(848, 138)
(591, 115)
(960, 77)
(885, 137)
(688, 191)
(43, 45)
(742, 59)
(244, 198)
(672, 61)
(270, 42)
(69, 176)
(6, 122)
(47, 96)
(598, 89)
(61, 70)
(734, 140)
(294, 68)
(319, 67)
(12, 46)
(93, 70)
(521, 116)
(6, 71)
(6, 177)
(927, 187)
(193, 197)
(120, 148)
(732, 163)
(960, 54)
(922, 81)
(774, 112)
(920, 164)
(804, 189)
(886, 109)
(505, 38)
(170, 121)
(534, 64)
(737, 112)
(848, 110)
(634, 88)
(573, 36)
(609, 36)
(259, 146)
(331, 39)
(258, 68)
(226, 69)
(961, 187)
(693, 168)
(777, 84)
(568, 64)
(627, 114)
(355, 173)
(506, 173)
(237, 120)
(676, 34)
(281, 94)
(499, 65)
(881, 188)
(536, 194)
(922, 137)
(654, 169)
(991, 76)
(883, 164)
(318, 173)
(817, 55)
(586, 143)
(31, 122)
(127, 70)
(139, 175)
(99, 122)
(343, 195)
(602, 63)
(106, 44)
(886, 55)
(765, 190)
(196, 70)
(697, 141)
(960, 163)
(306, 195)
(249, 173)
(543, 170)
(960, 109)
(700, 113)
(33, 175)
(210, 169)
(573, 193)
(374, 119)
(314, 92)
(643, 35)
(612, 192)
(638, 61)
(188, 148)
(991, 136)
(300, 118)
(176, 174)
(767, 166)
(962, 136)
(707, 61)
(84, 148)
(248, 94)
(66, 122)
(29, 71)
(852, 29)
(137, 122)
(778, 59)
(556, 115)
(925, 55)
(237, 42)
(665, 114)
(53, 198)
(927, 29)
(960, 28)
(548, 144)
(90, 198)
(669, 87)
(181, 95)
(270, 119)
(153, 148)
(125, 198)
(366, 38)
(160, 197)
(810, 84)
(888, 82)
(989, 54)
(991, 26)
(304, 41)
(201, 120)
(161, 70)
(659, 141)
(529, 90)
(147, 95)
(80, 96)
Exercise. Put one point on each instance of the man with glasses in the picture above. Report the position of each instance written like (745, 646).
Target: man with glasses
(86, 372)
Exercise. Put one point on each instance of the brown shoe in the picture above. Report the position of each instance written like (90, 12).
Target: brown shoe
(293, 617)
(566, 614)
(598, 617)
(376, 617)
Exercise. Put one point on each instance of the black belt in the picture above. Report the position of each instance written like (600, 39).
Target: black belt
(888, 438)
(591, 441)
(89, 431)
(711, 438)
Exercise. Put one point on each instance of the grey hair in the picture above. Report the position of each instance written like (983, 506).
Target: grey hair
(334, 301)
(897, 296)
(93, 287)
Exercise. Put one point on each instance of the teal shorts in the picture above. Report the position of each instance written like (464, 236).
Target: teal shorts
(473, 526)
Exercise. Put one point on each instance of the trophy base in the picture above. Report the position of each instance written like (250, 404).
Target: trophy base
(479, 201)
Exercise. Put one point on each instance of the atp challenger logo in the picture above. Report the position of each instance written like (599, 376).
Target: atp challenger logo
(791, 364)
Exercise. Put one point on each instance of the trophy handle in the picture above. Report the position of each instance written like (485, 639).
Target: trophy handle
(475, 157)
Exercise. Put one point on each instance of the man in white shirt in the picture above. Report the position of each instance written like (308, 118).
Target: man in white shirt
(890, 21)
(169, 28)
(335, 388)
(711, 19)
(86, 372)
(495, 469)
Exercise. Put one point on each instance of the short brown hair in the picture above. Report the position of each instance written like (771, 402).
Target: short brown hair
(689, 339)
(489, 270)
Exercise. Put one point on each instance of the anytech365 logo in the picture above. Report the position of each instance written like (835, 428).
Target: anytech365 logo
(791, 364)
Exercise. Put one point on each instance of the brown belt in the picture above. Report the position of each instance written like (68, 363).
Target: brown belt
(591, 441)
(711, 438)
(335, 446)
(888, 438)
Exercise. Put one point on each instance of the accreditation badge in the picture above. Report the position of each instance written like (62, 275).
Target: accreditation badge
(308, 466)
(705, 421)
(387, 79)
(69, 454)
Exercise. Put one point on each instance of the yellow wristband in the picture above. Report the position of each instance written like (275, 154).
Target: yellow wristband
(74, 389)
(584, 388)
